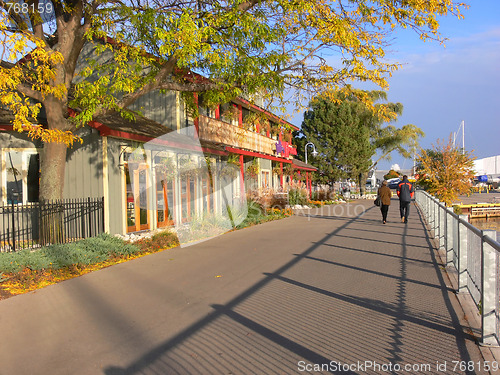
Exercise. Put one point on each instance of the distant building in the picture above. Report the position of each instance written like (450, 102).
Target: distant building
(487, 166)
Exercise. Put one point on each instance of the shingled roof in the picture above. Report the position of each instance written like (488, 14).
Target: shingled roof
(301, 165)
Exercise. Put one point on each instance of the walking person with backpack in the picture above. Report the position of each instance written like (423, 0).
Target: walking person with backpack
(405, 193)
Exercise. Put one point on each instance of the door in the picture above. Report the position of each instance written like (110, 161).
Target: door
(138, 200)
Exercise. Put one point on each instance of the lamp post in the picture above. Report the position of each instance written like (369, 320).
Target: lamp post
(314, 153)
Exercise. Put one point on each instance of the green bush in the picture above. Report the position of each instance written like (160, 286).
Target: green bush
(297, 196)
(323, 195)
(255, 214)
(85, 252)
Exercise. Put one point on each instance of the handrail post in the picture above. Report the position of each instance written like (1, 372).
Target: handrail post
(435, 223)
(456, 239)
(427, 207)
(442, 227)
(450, 248)
(433, 216)
(489, 335)
(462, 254)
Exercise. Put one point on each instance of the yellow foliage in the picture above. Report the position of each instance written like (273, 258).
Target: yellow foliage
(446, 171)
(256, 47)
(25, 84)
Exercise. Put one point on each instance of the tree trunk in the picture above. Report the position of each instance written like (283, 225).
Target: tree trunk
(361, 184)
(53, 166)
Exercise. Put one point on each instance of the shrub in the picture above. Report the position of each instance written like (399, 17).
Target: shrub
(255, 214)
(297, 196)
(323, 195)
(84, 252)
(161, 240)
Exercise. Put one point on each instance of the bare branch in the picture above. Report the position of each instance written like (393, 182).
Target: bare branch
(15, 17)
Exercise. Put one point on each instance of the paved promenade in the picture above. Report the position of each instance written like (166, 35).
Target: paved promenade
(336, 287)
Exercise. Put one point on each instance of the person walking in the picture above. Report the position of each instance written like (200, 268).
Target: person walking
(385, 195)
(405, 192)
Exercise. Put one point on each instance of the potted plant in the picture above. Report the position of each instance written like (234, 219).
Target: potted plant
(231, 166)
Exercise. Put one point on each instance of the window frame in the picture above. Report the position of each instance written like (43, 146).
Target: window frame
(26, 152)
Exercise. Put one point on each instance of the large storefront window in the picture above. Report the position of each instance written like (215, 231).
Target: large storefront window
(138, 200)
(207, 188)
(165, 173)
(188, 197)
(164, 188)
(21, 176)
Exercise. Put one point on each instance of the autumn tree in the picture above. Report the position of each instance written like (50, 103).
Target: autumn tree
(445, 171)
(348, 132)
(392, 174)
(241, 47)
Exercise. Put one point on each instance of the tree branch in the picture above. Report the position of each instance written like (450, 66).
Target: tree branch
(28, 91)
(165, 71)
(36, 21)
(16, 17)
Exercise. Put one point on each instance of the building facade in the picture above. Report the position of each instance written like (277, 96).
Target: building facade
(164, 168)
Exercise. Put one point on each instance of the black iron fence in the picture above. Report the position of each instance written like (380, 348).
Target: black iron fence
(42, 223)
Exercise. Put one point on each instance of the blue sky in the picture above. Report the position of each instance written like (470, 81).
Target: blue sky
(440, 87)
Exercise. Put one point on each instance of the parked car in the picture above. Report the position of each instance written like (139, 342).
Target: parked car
(393, 183)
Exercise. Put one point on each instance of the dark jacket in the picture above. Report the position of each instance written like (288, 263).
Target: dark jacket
(385, 195)
(405, 191)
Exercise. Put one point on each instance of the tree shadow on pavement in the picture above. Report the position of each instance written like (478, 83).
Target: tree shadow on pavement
(344, 309)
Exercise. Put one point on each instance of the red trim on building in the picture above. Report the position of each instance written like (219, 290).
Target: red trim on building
(106, 131)
(255, 154)
(304, 168)
(240, 115)
(308, 183)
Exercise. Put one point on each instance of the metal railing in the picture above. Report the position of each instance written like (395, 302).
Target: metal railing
(475, 256)
(37, 224)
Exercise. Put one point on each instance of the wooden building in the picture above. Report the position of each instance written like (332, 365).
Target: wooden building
(162, 168)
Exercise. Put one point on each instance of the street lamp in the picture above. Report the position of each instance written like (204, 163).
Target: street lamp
(314, 153)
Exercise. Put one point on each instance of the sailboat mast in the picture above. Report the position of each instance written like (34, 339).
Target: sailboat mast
(463, 136)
